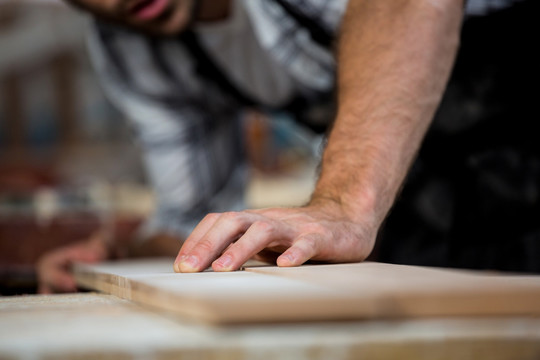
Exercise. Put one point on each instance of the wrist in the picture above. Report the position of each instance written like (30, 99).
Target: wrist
(357, 207)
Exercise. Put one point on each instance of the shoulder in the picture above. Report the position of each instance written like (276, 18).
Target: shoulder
(150, 66)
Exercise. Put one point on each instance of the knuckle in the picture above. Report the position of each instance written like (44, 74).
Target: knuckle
(211, 217)
(263, 226)
(205, 245)
(316, 228)
(230, 216)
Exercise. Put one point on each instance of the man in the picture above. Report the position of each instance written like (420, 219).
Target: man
(183, 70)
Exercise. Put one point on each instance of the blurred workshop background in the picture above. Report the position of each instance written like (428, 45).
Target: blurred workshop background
(68, 163)
(66, 160)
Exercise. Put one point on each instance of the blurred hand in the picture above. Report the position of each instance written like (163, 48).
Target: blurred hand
(319, 232)
(54, 268)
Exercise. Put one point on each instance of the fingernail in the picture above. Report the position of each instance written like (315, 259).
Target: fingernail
(189, 264)
(180, 259)
(286, 259)
(177, 262)
(289, 257)
(224, 262)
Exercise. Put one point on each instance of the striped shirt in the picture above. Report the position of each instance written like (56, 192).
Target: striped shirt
(188, 127)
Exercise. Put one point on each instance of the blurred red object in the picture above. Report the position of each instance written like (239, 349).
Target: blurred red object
(23, 240)
(19, 178)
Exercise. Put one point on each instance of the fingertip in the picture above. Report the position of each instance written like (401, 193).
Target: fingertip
(217, 268)
(223, 264)
(66, 283)
(177, 261)
(44, 290)
(287, 260)
(71, 285)
(189, 264)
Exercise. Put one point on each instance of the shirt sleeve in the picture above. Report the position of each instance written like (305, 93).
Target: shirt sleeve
(484, 7)
(192, 151)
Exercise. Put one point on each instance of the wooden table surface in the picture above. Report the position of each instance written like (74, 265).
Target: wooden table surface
(98, 326)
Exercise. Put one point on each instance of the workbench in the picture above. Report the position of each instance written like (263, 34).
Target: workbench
(92, 325)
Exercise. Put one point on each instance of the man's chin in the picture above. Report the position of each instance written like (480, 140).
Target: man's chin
(155, 30)
(164, 26)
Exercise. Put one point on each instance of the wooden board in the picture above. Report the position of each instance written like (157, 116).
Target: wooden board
(315, 292)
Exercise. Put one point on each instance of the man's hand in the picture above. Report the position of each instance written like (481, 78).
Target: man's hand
(394, 59)
(321, 231)
(54, 268)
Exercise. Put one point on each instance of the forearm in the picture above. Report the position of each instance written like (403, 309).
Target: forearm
(395, 57)
(394, 60)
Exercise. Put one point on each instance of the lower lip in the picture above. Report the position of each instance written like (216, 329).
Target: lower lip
(152, 10)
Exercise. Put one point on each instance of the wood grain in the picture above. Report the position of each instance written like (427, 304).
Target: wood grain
(315, 292)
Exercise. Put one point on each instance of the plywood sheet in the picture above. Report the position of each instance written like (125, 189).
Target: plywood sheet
(315, 292)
